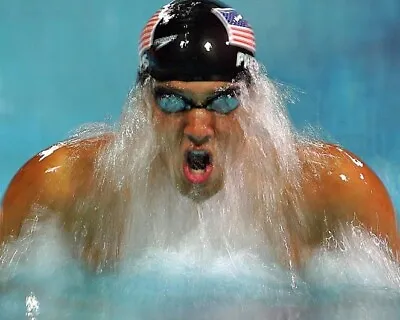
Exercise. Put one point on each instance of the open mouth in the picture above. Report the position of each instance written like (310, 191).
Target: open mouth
(197, 166)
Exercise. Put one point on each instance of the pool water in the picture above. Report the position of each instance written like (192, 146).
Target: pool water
(39, 279)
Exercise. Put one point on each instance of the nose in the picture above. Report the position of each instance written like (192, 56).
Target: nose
(199, 126)
(198, 140)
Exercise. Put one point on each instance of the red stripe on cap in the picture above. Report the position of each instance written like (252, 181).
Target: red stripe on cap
(249, 40)
(242, 29)
(145, 35)
(243, 32)
(148, 30)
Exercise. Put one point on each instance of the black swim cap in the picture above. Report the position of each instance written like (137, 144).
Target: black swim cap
(190, 40)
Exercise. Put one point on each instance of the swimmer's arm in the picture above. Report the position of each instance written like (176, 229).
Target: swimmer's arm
(51, 181)
(42, 183)
(356, 195)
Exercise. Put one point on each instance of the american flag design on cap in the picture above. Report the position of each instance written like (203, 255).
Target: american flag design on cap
(239, 30)
(146, 37)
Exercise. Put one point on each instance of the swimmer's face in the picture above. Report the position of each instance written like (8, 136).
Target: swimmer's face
(197, 127)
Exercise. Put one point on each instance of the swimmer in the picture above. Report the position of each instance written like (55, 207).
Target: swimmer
(204, 137)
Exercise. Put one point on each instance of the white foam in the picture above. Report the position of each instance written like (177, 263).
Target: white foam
(357, 280)
(32, 306)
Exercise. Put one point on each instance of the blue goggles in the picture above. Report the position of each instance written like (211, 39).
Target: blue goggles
(171, 101)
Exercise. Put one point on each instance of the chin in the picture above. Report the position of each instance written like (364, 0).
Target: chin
(199, 192)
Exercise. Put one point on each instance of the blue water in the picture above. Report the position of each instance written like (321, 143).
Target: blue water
(63, 63)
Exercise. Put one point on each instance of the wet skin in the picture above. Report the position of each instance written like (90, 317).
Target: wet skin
(196, 129)
(339, 190)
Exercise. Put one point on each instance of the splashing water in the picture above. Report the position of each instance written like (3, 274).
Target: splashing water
(357, 282)
(164, 256)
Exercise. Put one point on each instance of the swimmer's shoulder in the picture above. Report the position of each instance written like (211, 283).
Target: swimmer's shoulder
(335, 166)
(57, 168)
(344, 189)
(50, 179)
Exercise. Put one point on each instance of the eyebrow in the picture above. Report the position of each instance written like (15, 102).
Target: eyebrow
(165, 89)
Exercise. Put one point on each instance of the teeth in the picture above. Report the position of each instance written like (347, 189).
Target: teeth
(197, 171)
